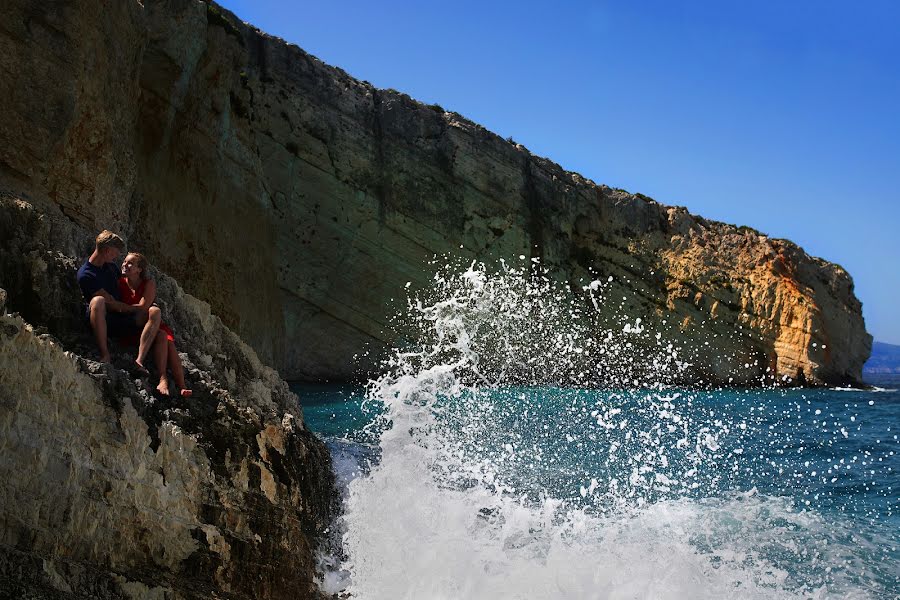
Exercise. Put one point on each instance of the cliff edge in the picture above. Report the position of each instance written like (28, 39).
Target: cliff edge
(299, 201)
(113, 491)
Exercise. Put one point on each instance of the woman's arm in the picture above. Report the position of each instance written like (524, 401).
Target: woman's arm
(149, 295)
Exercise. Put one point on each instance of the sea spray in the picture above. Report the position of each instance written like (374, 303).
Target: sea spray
(518, 325)
(503, 475)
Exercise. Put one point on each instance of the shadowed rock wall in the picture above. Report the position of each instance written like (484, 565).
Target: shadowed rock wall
(110, 490)
(298, 201)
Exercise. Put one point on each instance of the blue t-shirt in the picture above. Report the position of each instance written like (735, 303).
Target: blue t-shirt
(92, 279)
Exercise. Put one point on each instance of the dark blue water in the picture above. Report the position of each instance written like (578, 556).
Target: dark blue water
(827, 461)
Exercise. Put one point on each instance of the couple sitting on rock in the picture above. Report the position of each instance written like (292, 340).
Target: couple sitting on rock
(121, 306)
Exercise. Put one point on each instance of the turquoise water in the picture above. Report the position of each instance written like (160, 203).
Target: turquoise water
(819, 470)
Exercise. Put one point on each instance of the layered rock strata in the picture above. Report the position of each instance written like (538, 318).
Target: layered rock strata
(299, 201)
(113, 491)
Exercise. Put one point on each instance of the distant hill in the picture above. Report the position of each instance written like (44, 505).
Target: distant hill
(885, 359)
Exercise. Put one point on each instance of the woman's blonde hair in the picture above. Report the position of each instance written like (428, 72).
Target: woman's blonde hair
(141, 261)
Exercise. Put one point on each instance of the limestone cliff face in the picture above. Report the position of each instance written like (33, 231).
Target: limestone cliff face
(298, 201)
(112, 491)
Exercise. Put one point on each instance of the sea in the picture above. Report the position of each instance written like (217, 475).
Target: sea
(521, 444)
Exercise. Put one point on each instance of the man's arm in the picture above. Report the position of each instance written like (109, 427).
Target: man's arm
(115, 305)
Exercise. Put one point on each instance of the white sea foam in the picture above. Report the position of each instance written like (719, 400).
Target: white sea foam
(872, 390)
(449, 510)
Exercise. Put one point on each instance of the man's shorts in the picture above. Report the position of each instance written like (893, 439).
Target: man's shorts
(118, 325)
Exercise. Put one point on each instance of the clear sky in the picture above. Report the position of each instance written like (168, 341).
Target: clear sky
(781, 115)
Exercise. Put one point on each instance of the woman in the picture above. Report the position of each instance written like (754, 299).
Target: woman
(137, 288)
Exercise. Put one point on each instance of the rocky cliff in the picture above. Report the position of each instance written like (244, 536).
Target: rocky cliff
(298, 201)
(113, 491)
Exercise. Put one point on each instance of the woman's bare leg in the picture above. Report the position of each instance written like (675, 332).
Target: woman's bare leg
(160, 357)
(148, 335)
(175, 365)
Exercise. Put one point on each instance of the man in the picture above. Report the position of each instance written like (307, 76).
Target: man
(98, 279)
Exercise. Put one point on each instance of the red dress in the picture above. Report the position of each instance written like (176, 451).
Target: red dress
(129, 297)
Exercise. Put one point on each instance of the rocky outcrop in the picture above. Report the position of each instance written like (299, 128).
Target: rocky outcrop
(299, 201)
(113, 491)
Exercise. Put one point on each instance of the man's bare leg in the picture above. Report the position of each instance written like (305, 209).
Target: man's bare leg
(148, 335)
(98, 324)
(160, 356)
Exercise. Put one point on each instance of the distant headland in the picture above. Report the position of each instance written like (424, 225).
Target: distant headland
(885, 360)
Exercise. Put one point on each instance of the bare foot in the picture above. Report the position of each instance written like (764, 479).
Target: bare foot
(104, 358)
(185, 393)
(141, 369)
(163, 387)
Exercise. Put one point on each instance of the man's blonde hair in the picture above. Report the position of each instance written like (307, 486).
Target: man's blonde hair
(107, 239)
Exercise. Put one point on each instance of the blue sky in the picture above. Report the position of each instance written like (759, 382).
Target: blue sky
(784, 116)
